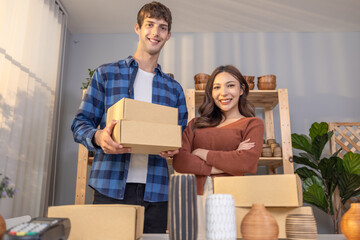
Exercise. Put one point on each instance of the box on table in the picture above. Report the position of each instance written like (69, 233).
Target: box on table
(279, 213)
(282, 190)
(145, 127)
(90, 222)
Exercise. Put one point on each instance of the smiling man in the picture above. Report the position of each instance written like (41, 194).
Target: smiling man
(117, 176)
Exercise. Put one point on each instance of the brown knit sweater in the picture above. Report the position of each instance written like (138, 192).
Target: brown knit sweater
(222, 143)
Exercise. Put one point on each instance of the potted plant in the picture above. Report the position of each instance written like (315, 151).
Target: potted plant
(88, 79)
(325, 177)
(7, 189)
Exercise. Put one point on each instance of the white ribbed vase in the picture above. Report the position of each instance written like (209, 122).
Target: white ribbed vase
(220, 217)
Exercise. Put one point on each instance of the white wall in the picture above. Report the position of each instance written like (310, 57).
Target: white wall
(320, 70)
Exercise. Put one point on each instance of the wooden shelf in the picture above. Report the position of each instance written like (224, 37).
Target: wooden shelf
(259, 98)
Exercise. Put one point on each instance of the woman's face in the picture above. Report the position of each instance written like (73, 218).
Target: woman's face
(226, 92)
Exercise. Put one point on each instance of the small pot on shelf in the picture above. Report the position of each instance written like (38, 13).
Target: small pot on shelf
(267, 82)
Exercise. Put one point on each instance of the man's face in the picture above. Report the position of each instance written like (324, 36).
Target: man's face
(153, 35)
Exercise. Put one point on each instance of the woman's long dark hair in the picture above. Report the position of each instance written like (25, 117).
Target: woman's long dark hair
(210, 114)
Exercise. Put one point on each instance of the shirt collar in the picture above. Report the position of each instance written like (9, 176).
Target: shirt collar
(130, 62)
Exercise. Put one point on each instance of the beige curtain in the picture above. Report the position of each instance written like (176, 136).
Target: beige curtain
(31, 48)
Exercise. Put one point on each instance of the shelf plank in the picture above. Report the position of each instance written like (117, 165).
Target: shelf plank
(259, 98)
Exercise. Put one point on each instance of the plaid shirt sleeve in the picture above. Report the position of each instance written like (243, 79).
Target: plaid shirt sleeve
(90, 113)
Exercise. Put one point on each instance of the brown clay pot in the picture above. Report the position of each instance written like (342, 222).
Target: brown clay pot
(267, 82)
(350, 222)
(200, 86)
(2, 226)
(201, 78)
(258, 224)
(250, 81)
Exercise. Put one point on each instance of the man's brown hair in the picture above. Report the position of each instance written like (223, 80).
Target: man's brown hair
(155, 10)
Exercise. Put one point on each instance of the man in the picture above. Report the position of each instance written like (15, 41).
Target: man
(117, 176)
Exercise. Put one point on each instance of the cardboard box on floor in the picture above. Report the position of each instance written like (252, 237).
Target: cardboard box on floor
(278, 213)
(145, 127)
(93, 222)
(282, 190)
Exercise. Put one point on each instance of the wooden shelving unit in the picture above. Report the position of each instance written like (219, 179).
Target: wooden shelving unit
(266, 99)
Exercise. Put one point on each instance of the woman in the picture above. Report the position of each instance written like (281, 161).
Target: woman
(226, 140)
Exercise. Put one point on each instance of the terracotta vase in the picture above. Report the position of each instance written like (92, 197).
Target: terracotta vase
(182, 207)
(350, 222)
(2, 226)
(258, 224)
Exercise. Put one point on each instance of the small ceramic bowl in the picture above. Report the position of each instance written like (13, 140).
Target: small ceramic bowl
(201, 78)
(200, 86)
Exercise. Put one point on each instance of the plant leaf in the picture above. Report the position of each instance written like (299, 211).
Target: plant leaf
(329, 172)
(305, 172)
(318, 129)
(305, 161)
(351, 163)
(309, 156)
(349, 185)
(319, 143)
(314, 193)
(301, 142)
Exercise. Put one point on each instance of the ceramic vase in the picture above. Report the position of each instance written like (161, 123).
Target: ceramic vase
(2, 226)
(220, 217)
(182, 208)
(350, 222)
(300, 227)
(259, 224)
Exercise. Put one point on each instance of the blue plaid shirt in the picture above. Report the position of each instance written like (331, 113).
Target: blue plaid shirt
(110, 83)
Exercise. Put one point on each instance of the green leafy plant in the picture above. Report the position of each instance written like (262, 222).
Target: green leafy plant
(324, 177)
(7, 189)
(88, 79)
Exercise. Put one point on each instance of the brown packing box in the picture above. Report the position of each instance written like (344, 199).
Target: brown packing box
(278, 213)
(146, 137)
(145, 127)
(130, 109)
(281, 190)
(95, 222)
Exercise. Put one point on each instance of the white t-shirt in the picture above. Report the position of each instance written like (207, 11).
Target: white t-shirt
(142, 92)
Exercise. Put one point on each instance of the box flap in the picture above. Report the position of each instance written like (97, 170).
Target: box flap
(130, 109)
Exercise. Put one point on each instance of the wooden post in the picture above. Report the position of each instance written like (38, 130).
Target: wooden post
(285, 131)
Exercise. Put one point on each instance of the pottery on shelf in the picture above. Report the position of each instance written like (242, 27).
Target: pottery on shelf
(267, 82)
(350, 222)
(259, 224)
(201, 78)
(220, 217)
(300, 227)
(182, 207)
(250, 81)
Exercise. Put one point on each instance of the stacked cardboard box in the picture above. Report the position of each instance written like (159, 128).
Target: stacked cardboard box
(92, 222)
(145, 127)
(281, 195)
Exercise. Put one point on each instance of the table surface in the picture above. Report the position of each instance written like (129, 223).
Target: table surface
(165, 237)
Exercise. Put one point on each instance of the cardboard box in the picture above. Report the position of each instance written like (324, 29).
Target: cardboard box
(145, 127)
(95, 222)
(278, 213)
(146, 137)
(130, 109)
(281, 190)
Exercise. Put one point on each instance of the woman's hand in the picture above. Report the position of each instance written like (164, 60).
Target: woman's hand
(246, 145)
(201, 153)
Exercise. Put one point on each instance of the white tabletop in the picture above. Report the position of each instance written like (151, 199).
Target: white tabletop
(165, 237)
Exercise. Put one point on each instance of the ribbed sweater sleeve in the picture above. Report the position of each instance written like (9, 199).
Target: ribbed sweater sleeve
(185, 161)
